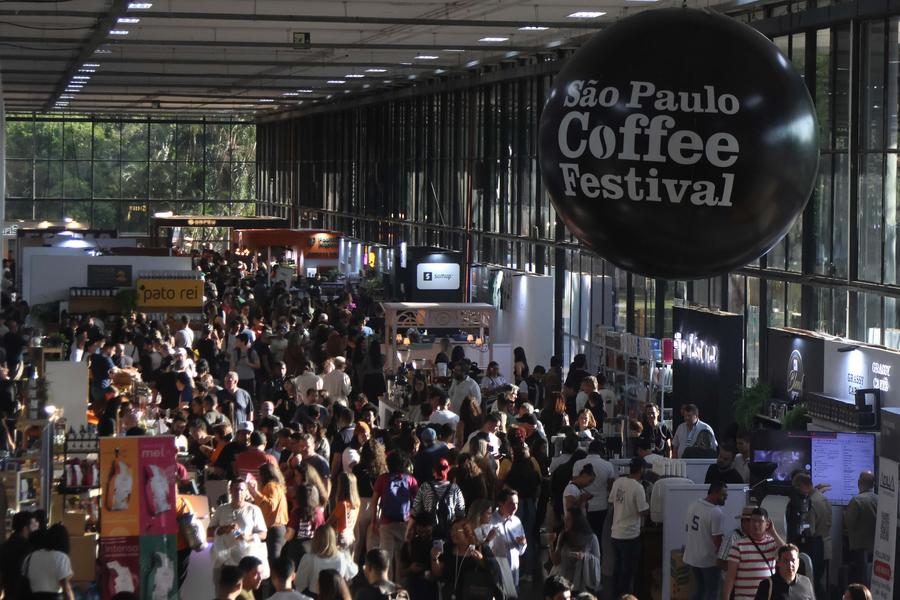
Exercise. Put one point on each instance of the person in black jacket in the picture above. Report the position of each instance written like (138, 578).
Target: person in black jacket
(786, 583)
(724, 470)
(14, 550)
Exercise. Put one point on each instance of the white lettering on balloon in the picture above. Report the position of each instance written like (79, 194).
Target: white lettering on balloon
(660, 142)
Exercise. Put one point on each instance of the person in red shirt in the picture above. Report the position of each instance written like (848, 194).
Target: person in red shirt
(249, 461)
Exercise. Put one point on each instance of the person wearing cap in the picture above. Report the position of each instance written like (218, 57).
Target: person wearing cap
(224, 464)
(604, 476)
(439, 495)
(428, 455)
(704, 536)
(336, 382)
(629, 504)
(753, 558)
(729, 539)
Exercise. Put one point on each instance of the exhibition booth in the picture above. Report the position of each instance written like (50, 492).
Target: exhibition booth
(428, 274)
(309, 251)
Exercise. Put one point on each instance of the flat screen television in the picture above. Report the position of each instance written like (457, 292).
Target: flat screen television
(834, 459)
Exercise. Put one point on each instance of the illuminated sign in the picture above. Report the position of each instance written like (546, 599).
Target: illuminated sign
(201, 222)
(693, 349)
(170, 293)
(437, 276)
(881, 376)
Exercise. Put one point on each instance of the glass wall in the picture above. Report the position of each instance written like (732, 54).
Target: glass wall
(114, 173)
(456, 165)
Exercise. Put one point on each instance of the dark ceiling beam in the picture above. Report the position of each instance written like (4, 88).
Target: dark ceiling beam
(97, 38)
(105, 41)
(300, 19)
(238, 62)
(103, 74)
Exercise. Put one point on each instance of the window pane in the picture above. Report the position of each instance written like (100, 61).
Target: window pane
(134, 180)
(872, 114)
(19, 209)
(188, 142)
(78, 210)
(134, 141)
(752, 349)
(824, 88)
(841, 231)
(47, 179)
(106, 180)
(244, 143)
(868, 318)
(793, 305)
(77, 140)
(48, 139)
(243, 181)
(190, 180)
(48, 210)
(76, 179)
(822, 229)
(776, 304)
(218, 181)
(842, 88)
(870, 215)
(19, 139)
(107, 141)
(162, 141)
(105, 215)
(134, 217)
(18, 178)
(219, 143)
(162, 180)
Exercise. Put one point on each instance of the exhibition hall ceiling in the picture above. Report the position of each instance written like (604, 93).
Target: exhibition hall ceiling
(245, 56)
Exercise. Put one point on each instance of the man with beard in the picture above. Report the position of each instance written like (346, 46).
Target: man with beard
(704, 536)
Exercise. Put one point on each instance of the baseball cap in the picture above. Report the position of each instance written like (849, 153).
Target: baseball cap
(441, 468)
(245, 426)
(428, 435)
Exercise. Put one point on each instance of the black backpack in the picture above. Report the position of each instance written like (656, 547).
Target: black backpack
(442, 516)
(479, 584)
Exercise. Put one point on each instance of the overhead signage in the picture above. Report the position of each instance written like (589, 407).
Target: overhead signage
(322, 246)
(437, 276)
(170, 293)
(109, 276)
(693, 349)
(301, 39)
(848, 370)
(673, 163)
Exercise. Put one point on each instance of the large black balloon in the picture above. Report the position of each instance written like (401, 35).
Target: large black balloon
(738, 117)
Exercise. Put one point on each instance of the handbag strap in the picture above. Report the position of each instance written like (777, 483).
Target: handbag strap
(763, 556)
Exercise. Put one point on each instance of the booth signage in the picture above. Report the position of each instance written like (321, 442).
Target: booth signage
(109, 276)
(437, 276)
(884, 556)
(169, 293)
(666, 159)
(693, 349)
(322, 246)
(860, 368)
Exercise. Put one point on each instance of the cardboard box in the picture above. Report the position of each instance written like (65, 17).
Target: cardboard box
(84, 557)
(75, 523)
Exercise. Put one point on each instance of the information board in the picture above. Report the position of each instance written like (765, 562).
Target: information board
(109, 276)
(838, 461)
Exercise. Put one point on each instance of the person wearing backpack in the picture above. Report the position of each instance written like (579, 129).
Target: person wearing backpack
(392, 499)
(441, 499)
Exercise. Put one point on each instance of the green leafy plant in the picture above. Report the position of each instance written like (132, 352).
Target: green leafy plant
(45, 314)
(795, 419)
(750, 402)
(127, 298)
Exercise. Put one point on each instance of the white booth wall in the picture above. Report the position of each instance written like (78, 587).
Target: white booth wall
(861, 368)
(48, 273)
(524, 318)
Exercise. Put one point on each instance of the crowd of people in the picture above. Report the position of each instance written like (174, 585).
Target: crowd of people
(483, 485)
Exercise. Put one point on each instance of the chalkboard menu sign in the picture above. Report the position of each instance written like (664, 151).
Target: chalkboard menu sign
(109, 276)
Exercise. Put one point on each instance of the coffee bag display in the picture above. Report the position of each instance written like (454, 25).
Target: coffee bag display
(679, 144)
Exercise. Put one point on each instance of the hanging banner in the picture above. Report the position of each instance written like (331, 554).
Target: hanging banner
(169, 294)
(138, 524)
(884, 559)
(679, 144)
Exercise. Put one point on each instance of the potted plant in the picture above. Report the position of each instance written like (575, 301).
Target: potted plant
(749, 403)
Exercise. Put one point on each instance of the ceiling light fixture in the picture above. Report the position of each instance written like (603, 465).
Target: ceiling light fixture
(128, 20)
(472, 63)
(494, 40)
(376, 70)
(425, 57)
(453, 50)
(266, 100)
(82, 77)
(354, 76)
(91, 65)
(291, 94)
(139, 5)
(102, 51)
(305, 91)
(118, 32)
(86, 70)
(67, 97)
(586, 14)
(536, 27)
(336, 81)
(439, 71)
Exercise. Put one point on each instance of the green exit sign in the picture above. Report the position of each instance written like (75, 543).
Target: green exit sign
(301, 39)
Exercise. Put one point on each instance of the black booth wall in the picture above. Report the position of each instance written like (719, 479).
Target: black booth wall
(786, 371)
(418, 285)
(713, 388)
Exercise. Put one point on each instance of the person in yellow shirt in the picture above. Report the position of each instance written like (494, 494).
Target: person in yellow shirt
(271, 498)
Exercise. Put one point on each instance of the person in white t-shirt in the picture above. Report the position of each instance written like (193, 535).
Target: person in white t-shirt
(442, 413)
(335, 381)
(704, 536)
(575, 495)
(48, 569)
(307, 380)
(604, 477)
(629, 504)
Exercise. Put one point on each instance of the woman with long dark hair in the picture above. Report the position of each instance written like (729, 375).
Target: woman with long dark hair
(271, 498)
(555, 417)
(49, 569)
(520, 366)
(576, 551)
(372, 463)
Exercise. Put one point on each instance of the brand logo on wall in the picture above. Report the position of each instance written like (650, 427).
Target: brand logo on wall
(795, 375)
(437, 276)
(679, 144)
(691, 348)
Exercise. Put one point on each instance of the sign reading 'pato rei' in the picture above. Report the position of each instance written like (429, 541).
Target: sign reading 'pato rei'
(679, 144)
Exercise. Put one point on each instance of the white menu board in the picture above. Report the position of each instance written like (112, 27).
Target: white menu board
(838, 460)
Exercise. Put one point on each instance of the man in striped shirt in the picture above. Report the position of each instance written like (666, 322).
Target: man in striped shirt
(752, 558)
